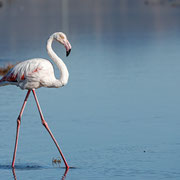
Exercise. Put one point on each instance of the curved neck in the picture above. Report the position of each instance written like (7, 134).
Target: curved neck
(64, 74)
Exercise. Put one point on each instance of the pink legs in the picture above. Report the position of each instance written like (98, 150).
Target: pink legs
(44, 124)
(49, 131)
(18, 126)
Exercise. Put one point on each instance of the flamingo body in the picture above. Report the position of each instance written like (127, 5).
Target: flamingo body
(31, 74)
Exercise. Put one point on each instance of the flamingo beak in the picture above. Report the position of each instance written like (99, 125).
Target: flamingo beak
(68, 48)
(68, 52)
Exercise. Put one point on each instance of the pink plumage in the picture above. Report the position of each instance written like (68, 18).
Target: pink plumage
(35, 73)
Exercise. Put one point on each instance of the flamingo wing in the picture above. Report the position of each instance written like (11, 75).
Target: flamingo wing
(29, 74)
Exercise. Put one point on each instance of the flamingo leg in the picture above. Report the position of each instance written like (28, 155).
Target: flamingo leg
(49, 131)
(18, 126)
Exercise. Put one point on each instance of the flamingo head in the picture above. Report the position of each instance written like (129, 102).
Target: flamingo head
(61, 38)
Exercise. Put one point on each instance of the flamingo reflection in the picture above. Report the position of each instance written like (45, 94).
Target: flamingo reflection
(63, 177)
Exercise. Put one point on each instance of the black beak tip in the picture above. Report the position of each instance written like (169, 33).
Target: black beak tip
(68, 52)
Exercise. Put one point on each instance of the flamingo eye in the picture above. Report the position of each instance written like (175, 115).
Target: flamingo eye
(61, 36)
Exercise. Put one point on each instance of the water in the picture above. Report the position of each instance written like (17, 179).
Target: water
(118, 118)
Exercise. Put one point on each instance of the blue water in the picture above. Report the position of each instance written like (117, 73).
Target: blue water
(118, 117)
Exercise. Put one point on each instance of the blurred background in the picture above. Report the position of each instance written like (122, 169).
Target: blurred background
(118, 117)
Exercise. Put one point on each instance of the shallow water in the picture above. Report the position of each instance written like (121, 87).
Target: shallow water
(118, 118)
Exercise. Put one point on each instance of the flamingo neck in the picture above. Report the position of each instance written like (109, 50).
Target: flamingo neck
(64, 74)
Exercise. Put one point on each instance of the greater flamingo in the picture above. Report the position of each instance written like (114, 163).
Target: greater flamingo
(35, 73)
